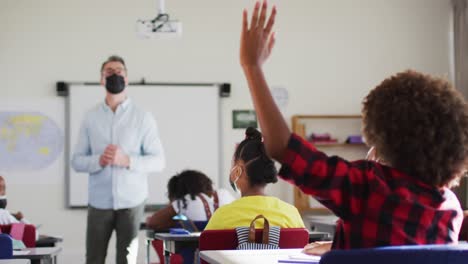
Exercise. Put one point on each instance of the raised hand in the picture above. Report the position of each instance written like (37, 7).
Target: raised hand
(257, 41)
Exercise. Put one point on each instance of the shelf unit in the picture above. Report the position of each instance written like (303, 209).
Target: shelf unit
(339, 127)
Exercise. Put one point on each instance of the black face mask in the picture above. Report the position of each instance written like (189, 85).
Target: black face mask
(3, 203)
(115, 84)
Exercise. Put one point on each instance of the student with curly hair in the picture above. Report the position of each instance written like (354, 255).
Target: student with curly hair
(418, 128)
(252, 170)
(190, 194)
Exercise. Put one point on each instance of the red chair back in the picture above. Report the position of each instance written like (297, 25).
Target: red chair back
(17, 231)
(227, 239)
(28, 235)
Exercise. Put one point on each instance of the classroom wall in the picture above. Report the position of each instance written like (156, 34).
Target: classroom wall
(329, 53)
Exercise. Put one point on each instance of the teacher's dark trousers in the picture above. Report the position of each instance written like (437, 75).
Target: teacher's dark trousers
(101, 223)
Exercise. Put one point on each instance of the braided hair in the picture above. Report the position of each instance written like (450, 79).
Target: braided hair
(260, 169)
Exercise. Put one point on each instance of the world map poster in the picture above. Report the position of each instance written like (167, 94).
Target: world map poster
(28, 140)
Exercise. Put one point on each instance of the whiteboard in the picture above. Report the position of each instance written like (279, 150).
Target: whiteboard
(188, 119)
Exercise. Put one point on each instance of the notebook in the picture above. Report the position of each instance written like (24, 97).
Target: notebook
(300, 258)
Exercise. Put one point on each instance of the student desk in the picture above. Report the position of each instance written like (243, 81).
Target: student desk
(268, 256)
(47, 241)
(324, 223)
(40, 255)
(318, 236)
(15, 261)
(149, 237)
(172, 242)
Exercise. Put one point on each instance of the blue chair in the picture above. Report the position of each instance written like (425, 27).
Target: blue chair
(6, 246)
(419, 254)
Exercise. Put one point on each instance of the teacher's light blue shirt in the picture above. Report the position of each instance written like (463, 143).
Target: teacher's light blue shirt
(135, 132)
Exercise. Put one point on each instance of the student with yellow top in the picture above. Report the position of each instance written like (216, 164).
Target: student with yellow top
(252, 170)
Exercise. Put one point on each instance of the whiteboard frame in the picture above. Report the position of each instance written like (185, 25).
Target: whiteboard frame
(62, 89)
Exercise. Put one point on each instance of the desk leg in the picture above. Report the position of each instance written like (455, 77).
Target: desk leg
(197, 256)
(148, 242)
(167, 257)
(167, 253)
(47, 260)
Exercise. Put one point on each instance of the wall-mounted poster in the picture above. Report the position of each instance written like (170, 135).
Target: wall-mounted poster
(244, 119)
(28, 140)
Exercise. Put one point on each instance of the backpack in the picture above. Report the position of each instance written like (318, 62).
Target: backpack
(246, 236)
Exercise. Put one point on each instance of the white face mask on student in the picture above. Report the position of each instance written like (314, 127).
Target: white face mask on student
(234, 183)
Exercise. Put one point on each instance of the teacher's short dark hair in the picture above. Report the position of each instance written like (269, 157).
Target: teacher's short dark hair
(114, 58)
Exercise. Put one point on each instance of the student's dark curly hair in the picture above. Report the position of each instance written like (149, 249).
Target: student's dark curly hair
(419, 125)
(188, 182)
(260, 168)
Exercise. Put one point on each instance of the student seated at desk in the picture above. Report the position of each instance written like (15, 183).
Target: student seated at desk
(418, 127)
(191, 194)
(252, 170)
(6, 217)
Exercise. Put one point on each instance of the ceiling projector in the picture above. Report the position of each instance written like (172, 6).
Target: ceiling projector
(161, 27)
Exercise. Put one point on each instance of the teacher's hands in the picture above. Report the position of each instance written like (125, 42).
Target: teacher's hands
(106, 157)
(257, 41)
(114, 155)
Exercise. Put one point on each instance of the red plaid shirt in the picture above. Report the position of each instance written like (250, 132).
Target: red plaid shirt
(377, 205)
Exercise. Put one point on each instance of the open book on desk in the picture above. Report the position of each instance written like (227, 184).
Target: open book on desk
(300, 258)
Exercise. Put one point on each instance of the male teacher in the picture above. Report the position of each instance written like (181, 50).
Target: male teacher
(118, 146)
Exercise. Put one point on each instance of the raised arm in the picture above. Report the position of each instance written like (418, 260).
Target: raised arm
(257, 42)
(162, 219)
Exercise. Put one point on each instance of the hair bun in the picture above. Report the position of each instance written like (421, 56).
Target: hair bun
(253, 134)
